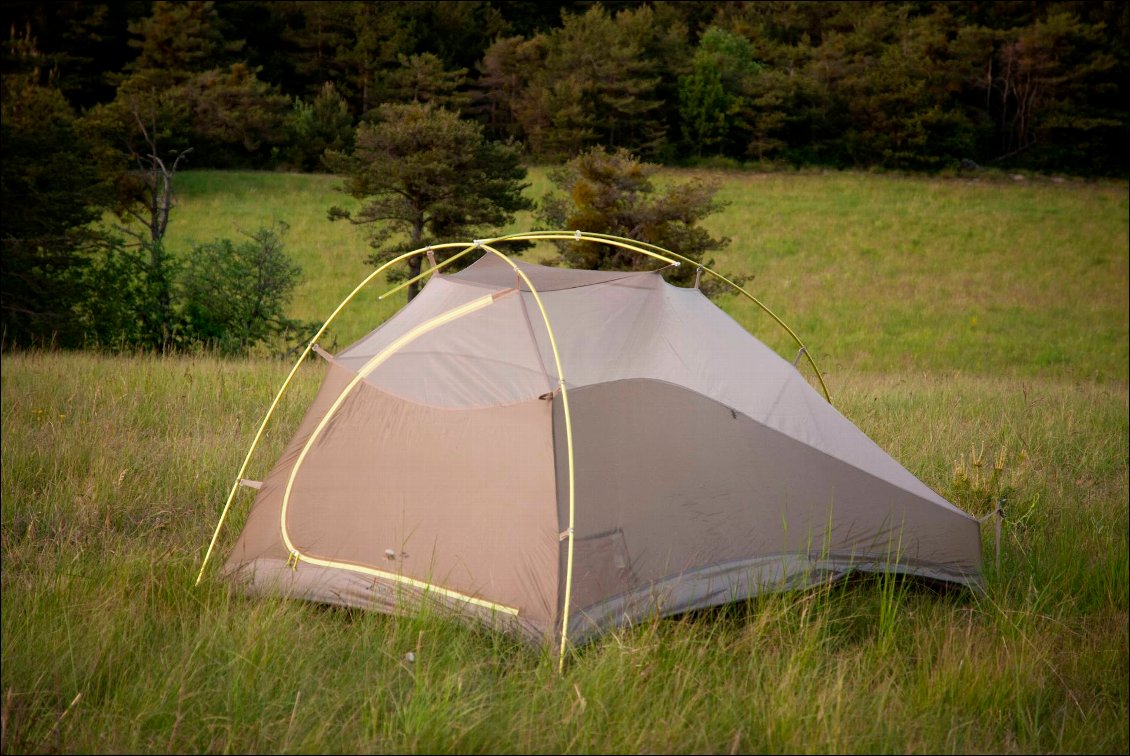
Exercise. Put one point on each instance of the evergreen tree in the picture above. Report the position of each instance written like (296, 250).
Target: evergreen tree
(230, 116)
(903, 85)
(596, 87)
(504, 78)
(423, 176)
(714, 98)
(1049, 85)
(895, 85)
(53, 195)
(235, 119)
(613, 193)
(422, 78)
(84, 41)
(313, 128)
(178, 40)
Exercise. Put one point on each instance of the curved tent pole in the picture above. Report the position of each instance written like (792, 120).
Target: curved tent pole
(618, 241)
(478, 244)
(655, 252)
(770, 313)
(333, 316)
(569, 452)
(364, 371)
(294, 370)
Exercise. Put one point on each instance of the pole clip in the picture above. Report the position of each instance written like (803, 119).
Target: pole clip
(292, 561)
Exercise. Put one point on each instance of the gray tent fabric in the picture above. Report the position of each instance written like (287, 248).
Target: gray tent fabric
(433, 465)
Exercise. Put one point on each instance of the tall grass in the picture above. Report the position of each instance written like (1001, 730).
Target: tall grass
(114, 469)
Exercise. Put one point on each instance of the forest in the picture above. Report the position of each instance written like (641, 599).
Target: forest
(104, 102)
(899, 85)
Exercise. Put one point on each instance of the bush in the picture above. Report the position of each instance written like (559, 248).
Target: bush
(234, 296)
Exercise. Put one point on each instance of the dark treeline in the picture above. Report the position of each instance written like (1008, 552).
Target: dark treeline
(415, 102)
(901, 85)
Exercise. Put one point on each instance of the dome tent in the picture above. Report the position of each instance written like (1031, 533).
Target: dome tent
(557, 452)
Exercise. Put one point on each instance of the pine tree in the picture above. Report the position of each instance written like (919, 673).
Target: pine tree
(613, 193)
(423, 175)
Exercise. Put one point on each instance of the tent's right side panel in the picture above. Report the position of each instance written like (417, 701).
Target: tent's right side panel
(682, 503)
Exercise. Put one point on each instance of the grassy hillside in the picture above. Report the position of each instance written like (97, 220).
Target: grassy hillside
(873, 272)
(959, 324)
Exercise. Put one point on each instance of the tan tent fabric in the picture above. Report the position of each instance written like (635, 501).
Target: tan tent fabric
(672, 483)
(707, 468)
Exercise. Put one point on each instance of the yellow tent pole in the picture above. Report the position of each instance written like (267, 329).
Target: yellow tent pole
(286, 383)
(756, 301)
(770, 313)
(614, 241)
(366, 369)
(568, 449)
(430, 271)
(660, 254)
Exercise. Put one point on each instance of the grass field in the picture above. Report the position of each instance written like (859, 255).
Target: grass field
(958, 323)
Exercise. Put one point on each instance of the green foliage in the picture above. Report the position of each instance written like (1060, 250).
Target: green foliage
(613, 193)
(157, 271)
(176, 94)
(142, 118)
(704, 106)
(714, 97)
(124, 300)
(235, 117)
(595, 87)
(234, 296)
(906, 86)
(225, 117)
(504, 75)
(422, 176)
(221, 296)
(896, 88)
(1053, 79)
(313, 128)
(423, 79)
(178, 40)
(52, 197)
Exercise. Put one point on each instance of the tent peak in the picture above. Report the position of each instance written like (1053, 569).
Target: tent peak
(489, 270)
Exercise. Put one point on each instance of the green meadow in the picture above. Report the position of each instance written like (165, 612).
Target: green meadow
(975, 329)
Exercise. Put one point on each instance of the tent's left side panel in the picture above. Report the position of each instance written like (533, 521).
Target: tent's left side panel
(392, 503)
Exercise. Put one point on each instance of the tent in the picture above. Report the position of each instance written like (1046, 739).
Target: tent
(558, 452)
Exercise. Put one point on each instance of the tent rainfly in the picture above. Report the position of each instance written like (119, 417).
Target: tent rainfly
(558, 452)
